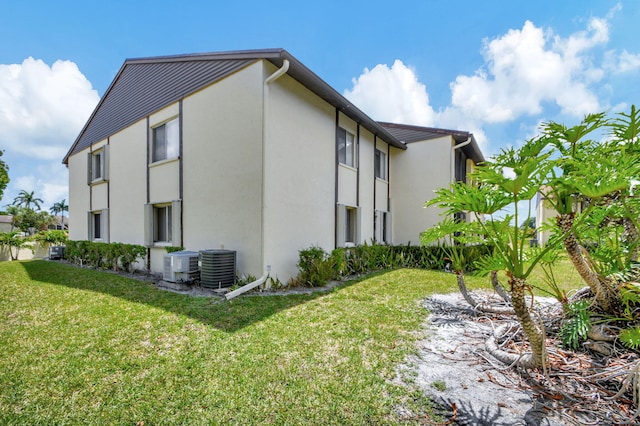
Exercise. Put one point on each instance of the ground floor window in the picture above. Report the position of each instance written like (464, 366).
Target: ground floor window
(348, 226)
(98, 226)
(381, 227)
(162, 223)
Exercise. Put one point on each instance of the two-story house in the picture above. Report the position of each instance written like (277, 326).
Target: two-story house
(253, 152)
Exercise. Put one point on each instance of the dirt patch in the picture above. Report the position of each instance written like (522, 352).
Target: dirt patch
(454, 370)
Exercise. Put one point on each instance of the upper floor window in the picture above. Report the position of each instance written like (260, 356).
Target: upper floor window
(97, 165)
(381, 165)
(346, 148)
(165, 141)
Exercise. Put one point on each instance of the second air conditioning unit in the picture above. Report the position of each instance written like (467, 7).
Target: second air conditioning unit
(218, 268)
(180, 266)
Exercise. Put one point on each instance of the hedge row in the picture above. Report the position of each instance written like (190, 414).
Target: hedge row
(116, 256)
(317, 266)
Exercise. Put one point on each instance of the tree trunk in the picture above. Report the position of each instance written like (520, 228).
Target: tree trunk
(631, 236)
(531, 330)
(484, 307)
(462, 286)
(498, 288)
(604, 295)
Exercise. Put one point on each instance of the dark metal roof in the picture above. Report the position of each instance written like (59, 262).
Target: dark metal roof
(409, 134)
(146, 85)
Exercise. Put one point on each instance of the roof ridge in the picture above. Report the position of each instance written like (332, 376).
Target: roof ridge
(208, 56)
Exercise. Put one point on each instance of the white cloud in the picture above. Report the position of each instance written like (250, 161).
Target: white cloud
(42, 107)
(392, 94)
(27, 183)
(42, 110)
(526, 68)
(623, 62)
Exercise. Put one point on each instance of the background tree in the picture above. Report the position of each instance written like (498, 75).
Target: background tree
(4, 175)
(27, 199)
(59, 208)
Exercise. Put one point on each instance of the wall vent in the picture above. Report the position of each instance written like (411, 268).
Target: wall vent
(218, 268)
(180, 266)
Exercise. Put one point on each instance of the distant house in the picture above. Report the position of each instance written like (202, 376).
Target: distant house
(544, 213)
(250, 151)
(6, 223)
(61, 223)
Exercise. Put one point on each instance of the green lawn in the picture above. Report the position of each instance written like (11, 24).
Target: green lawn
(80, 346)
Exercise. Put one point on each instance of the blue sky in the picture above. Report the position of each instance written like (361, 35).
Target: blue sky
(496, 68)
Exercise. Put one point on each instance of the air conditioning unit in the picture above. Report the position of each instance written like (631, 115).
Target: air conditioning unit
(180, 266)
(218, 268)
(56, 252)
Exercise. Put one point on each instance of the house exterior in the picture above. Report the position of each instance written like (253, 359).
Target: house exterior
(544, 213)
(253, 152)
(6, 223)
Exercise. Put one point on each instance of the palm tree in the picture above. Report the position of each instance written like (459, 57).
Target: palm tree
(59, 208)
(27, 199)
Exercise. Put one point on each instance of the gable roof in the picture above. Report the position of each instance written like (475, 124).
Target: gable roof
(145, 85)
(408, 134)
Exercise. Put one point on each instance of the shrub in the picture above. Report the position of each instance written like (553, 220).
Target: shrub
(317, 267)
(52, 237)
(116, 256)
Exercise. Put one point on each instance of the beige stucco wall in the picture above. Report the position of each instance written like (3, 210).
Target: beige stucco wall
(222, 163)
(78, 196)
(414, 175)
(299, 175)
(127, 180)
(367, 181)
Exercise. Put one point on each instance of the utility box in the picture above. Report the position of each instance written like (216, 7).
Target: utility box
(56, 252)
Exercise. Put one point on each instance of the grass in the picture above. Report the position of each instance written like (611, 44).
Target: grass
(83, 346)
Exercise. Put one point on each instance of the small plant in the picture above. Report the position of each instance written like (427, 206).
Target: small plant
(577, 326)
(13, 240)
(316, 267)
(173, 249)
(439, 385)
(631, 337)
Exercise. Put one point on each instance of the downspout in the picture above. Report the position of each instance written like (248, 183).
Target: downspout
(265, 115)
(453, 157)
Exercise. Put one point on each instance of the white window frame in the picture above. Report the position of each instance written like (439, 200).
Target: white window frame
(98, 232)
(98, 165)
(348, 225)
(171, 226)
(382, 227)
(162, 232)
(347, 148)
(380, 164)
(170, 133)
